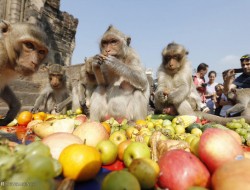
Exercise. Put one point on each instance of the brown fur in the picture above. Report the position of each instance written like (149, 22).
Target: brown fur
(23, 48)
(55, 97)
(123, 89)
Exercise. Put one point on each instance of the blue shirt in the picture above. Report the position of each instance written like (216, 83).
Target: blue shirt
(242, 81)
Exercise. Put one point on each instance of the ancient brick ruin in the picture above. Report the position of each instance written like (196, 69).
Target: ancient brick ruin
(61, 27)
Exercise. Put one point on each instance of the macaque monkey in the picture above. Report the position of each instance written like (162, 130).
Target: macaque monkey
(83, 87)
(123, 89)
(241, 97)
(23, 48)
(56, 97)
(176, 92)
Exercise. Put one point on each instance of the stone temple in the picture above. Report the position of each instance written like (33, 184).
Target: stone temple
(61, 27)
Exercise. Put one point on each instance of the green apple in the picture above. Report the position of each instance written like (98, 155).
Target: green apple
(108, 151)
(135, 150)
(117, 137)
(166, 122)
(121, 179)
(179, 129)
(146, 171)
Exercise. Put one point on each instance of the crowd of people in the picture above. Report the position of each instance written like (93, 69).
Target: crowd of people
(213, 94)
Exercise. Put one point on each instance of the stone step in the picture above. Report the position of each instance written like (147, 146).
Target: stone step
(25, 86)
(26, 98)
(4, 110)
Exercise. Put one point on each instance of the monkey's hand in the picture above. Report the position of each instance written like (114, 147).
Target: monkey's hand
(160, 96)
(35, 110)
(98, 60)
(5, 121)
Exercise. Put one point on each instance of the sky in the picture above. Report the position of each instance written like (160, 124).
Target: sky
(215, 32)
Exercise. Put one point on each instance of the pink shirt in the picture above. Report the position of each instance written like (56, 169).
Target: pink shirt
(201, 90)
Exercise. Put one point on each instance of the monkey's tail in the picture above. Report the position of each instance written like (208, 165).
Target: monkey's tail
(219, 120)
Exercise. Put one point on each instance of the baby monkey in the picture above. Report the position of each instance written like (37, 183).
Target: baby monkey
(55, 98)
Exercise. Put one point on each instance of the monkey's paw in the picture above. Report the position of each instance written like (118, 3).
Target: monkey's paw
(34, 110)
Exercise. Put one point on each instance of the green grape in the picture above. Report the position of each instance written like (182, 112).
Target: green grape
(236, 125)
(7, 167)
(242, 121)
(57, 167)
(243, 140)
(40, 166)
(24, 181)
(20, 149)
(38, 148)
(247, 136)
(230, 125)
(242, 131)
(4, 150)
(246, 126)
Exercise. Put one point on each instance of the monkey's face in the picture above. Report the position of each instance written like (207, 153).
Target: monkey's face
(56, 80)
(172, 62)
(29, 57)
(111, 45)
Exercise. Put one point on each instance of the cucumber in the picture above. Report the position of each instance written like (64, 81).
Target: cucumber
(163, 116)
(192, 126)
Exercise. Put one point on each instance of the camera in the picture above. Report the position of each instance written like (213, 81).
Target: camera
(238, 70)
(204, 85)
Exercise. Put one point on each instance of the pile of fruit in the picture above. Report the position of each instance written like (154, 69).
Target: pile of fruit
(153, 153)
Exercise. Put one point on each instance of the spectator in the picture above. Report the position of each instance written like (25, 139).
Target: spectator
(242, 81)
(224, 102)
(210, 91)
(199, 81)
(219, 91)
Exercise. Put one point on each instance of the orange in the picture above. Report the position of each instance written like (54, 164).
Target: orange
(106, 126)
(121, 148)
(24, 117)
(80, 162)
(39, 116)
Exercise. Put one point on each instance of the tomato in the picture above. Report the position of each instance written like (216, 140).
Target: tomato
(117, 165)
(24, 117)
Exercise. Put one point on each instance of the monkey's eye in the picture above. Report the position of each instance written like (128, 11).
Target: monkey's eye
(42, 52)
(113, 42)
(29, 45)
(167, 59)
(176, 57)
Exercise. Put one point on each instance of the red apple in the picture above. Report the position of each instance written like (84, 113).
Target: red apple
(91, 133)
(81, 118)
(217, 147)
(180, 170)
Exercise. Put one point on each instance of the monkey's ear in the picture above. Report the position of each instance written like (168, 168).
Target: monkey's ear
(85, 59)
(187, 52)
(4, 26)
(128, 40)
(110, 26)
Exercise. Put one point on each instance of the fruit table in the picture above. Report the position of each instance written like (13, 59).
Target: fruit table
(11, 134)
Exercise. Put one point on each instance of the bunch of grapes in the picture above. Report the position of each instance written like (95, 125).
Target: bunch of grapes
(27, 167)
(242, 128)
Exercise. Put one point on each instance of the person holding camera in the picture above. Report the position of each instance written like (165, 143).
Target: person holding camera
(200, 83)
(243, 80)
